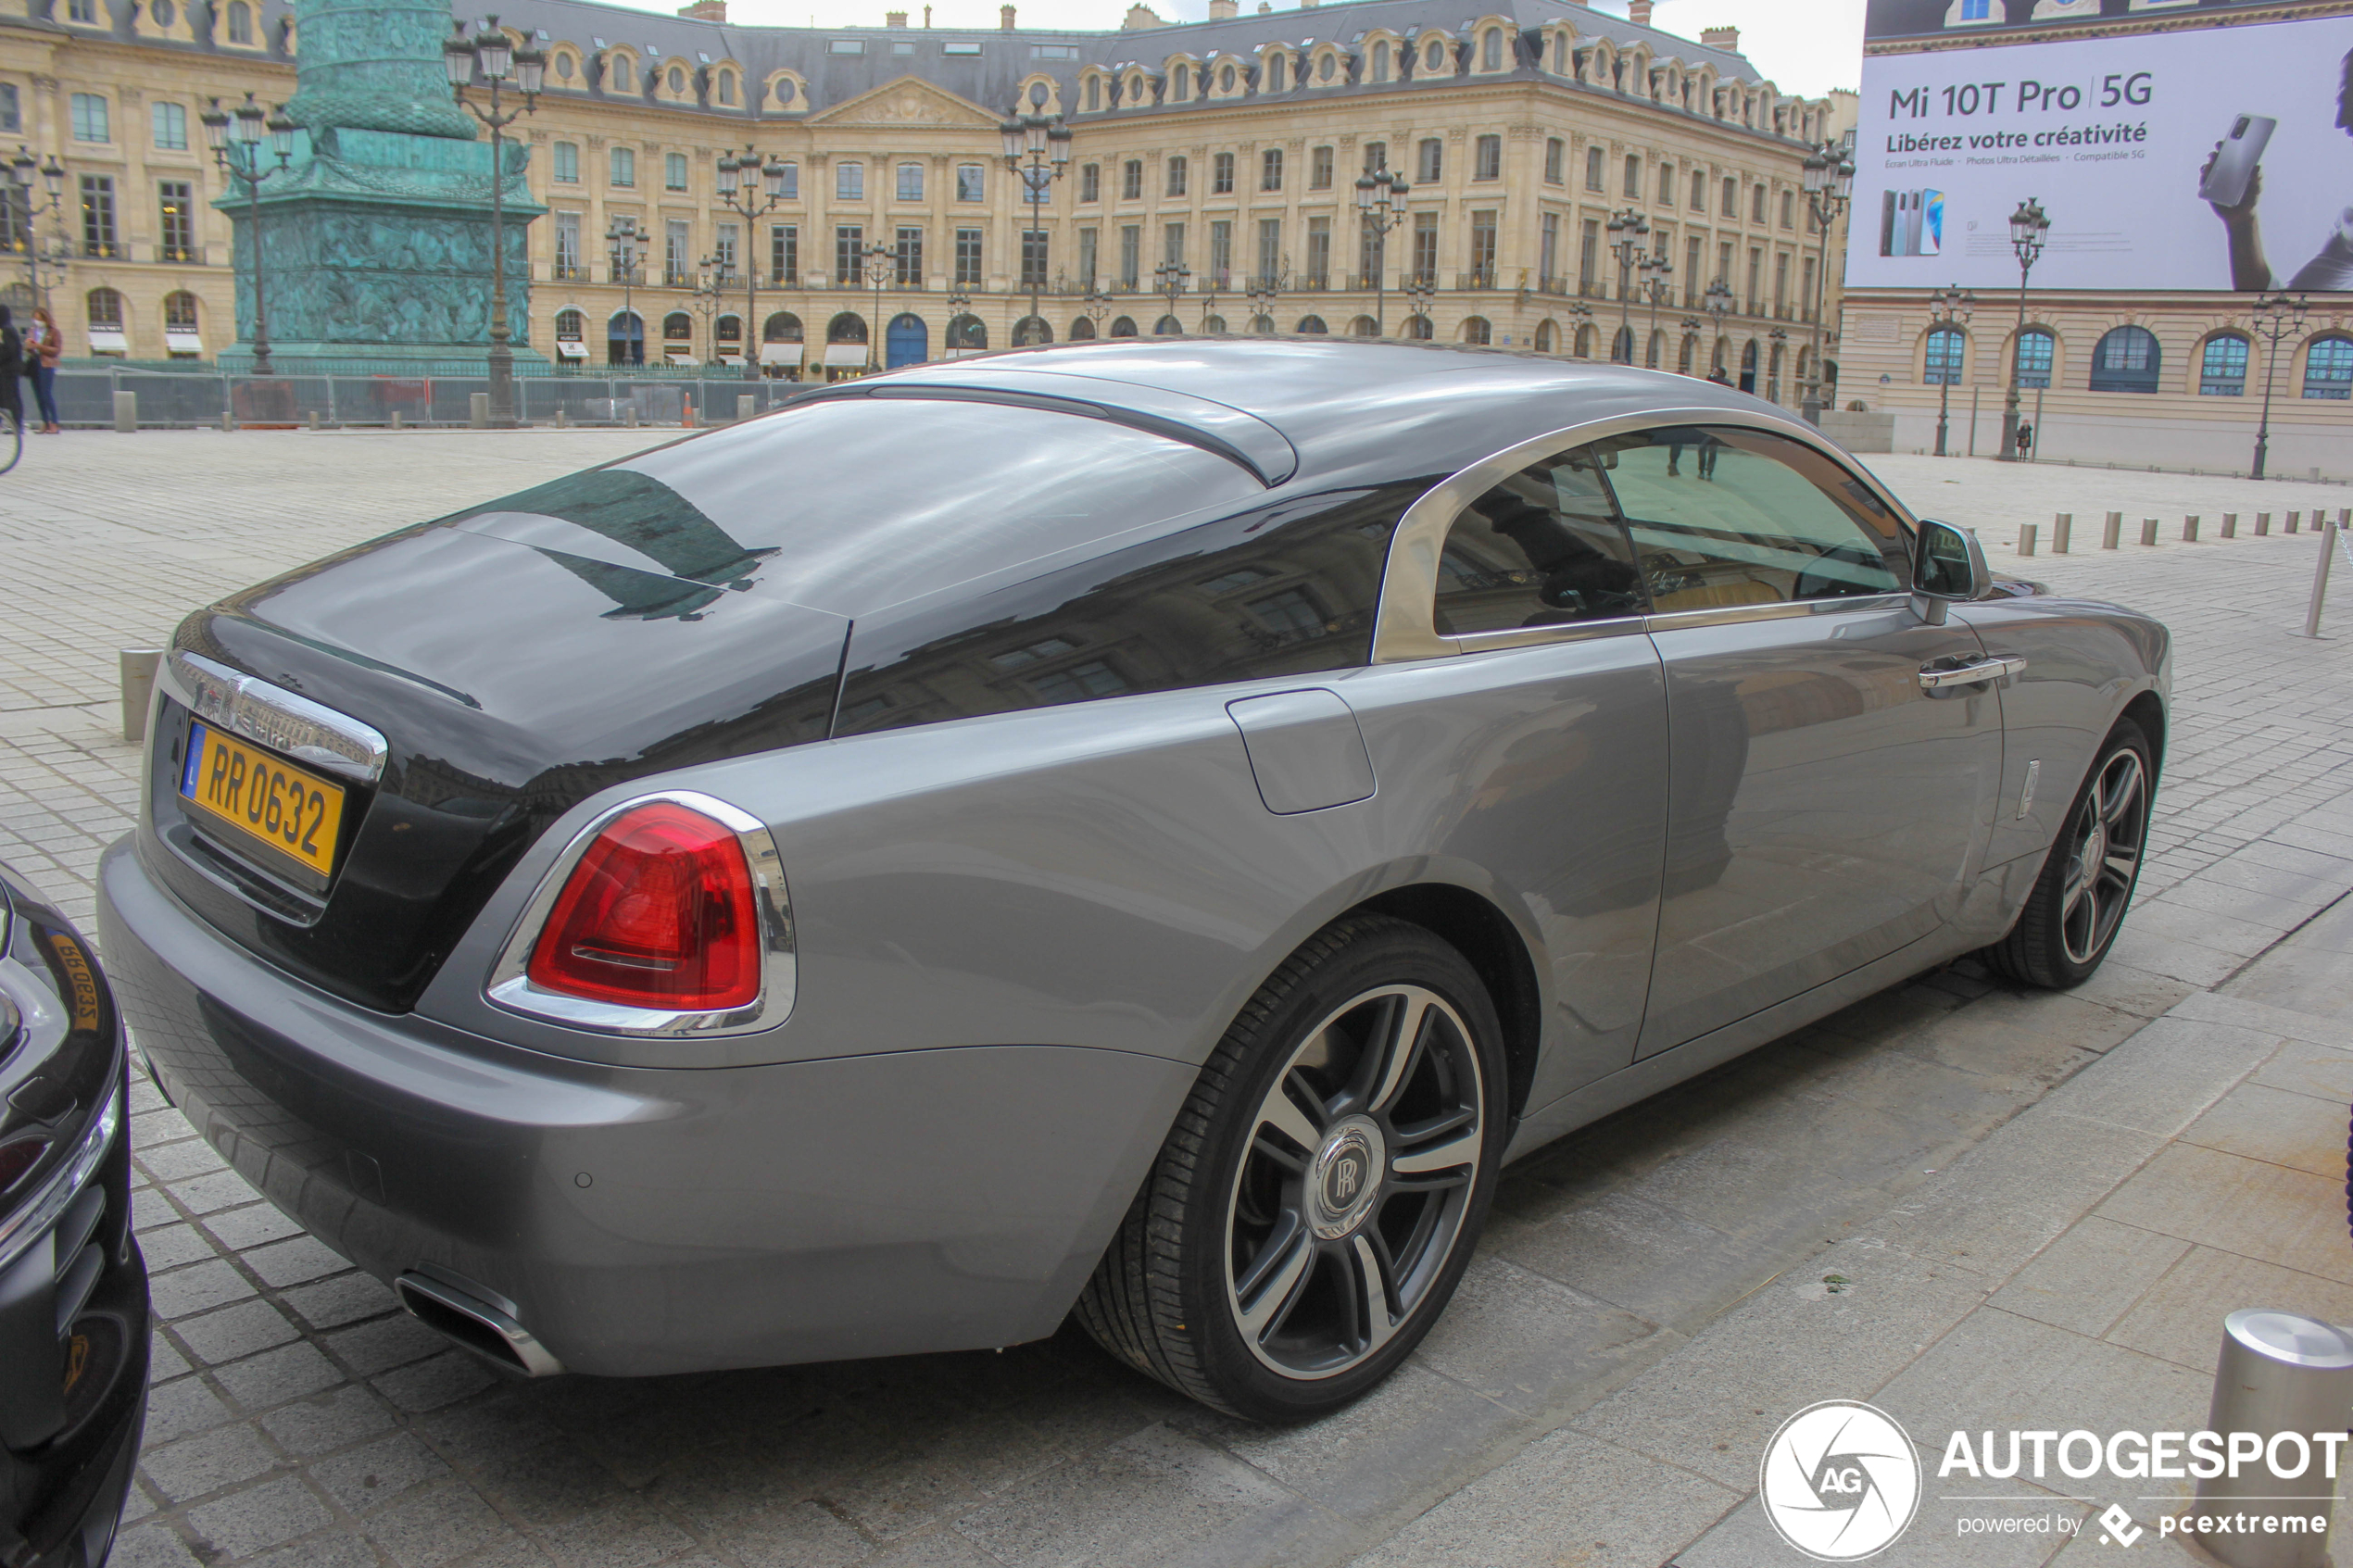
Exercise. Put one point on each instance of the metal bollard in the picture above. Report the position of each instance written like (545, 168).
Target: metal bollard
(137, 671)
(478, 409)
(2292, 518)
(2189, 530)
(631, 421)
(2062, 532)
(126, 413)
(2112, 530)
(2279, 1373)
(2026, 538)
(227, 421)
(564, 420)
(2230, 525)
(747, 405)
(2321, 580)
(2148, 530)
(314, 419)
(2262, 524)
(397, 421)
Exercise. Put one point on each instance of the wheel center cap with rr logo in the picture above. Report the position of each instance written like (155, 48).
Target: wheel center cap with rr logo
(1345, 1176)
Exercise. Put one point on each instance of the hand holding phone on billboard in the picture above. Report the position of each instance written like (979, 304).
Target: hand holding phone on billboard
(2232, 177)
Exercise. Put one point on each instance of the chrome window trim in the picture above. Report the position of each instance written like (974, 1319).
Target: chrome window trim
(274, 717)
(31, 1223)
(1404, 622)
(509, 986)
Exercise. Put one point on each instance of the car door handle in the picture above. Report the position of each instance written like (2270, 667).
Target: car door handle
(1975, 672)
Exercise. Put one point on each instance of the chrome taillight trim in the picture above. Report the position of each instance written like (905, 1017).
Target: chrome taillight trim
(510, 984)
(248, 706)
(31, 1223)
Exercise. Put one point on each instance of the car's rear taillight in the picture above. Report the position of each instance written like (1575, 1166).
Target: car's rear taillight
(659, 913)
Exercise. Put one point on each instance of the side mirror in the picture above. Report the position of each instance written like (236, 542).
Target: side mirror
(1948, 566)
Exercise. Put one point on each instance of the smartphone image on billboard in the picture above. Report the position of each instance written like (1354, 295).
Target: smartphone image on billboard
(2227, 176)
(1911, 223)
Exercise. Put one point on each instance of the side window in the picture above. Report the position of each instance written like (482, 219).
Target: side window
(1281, 590)
(1723, 516)
(1542, 548)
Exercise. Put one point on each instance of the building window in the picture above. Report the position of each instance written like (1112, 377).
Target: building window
(673, 171)
(1589, 249)
(1946, 348)
(567, 171)
(1490, 50)
(1789, 209)
(1425, 247)
(2328, 367)
(1094, 94)
(105, 310)
(90, 118)
(1548, 252)
(1320, 162)
(1433, 160)
(1482, 256)
(784, 255)
(1270, 250)
(850, 182)
(678, 332)
(1171, 244)
(907, 257)
(2222, 368)
(625, 165)
(567, 246)
(1089, 257)
(727, 88)
(850, 247)
(1731, 196)
(1380, 61)
(1375, 157)
(2126, 359)
(1319, 253)
(723, 252)
(972, 182)
(1756, 205)
(1487, 161)
(98, 215)
(1556, 153)
(960, 49)
(1476, 330)
(911, 181)
(2036, 350)
(177, 200)
(571, 326)
(968, 256)
(677, 81)
(845, 46)
(791, 192)
(240, 22)
(1593, 169)
(11, 111)
(1131, 261)
(1699, 190)
(170, 122)
(1325, 68)
(1276, 73)
(1221, 174)
(1270, 169)
(1032, 257)
(623, 75)
(1221, 254)
(81, 10)
(678, 254)
(1131, 179)
(1177, 170)
(1434, 57)
(1634, 175)
(1090, 182)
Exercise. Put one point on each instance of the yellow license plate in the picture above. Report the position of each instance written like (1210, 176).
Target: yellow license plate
(266, 799)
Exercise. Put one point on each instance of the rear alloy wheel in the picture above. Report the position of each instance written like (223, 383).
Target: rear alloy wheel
(1320, 1193)
(2079, 902)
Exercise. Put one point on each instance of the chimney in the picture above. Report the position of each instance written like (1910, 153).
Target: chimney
(1722, 38)
(1639, 12)
(705, 12)
(1005, 18)
(1223, 11)
(894, 19)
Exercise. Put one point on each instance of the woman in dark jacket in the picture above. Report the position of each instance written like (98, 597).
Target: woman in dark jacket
(11, 369)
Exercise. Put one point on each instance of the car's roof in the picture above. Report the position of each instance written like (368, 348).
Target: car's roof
(1353, 410)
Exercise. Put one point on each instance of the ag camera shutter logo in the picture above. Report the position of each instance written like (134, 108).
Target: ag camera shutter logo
(1839, 1481)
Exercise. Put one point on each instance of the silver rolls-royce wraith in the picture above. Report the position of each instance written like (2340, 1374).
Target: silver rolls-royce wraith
(1142, 830)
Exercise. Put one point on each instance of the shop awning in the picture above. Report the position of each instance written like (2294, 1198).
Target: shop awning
(780, 354)
(104, 341)
(183, 343)
(571, 349)
(730, 359)
(680, 359)
(839, 354)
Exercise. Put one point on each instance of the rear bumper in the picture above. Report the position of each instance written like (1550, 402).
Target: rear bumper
(643, 1221)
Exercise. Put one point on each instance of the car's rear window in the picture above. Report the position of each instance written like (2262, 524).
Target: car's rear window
(855, 506)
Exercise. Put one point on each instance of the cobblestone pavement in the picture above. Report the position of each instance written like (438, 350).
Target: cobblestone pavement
(298, 1418)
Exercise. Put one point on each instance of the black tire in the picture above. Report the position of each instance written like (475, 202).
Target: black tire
(2069, 923)
(1241, 1222)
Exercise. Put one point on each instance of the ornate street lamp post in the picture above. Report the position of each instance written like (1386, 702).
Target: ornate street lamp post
(2027, 225)
(1656, 271)
(1419, 296)
(1380, 207)
(1626, 231)
(1037, 148)
(1263, 289)
(1097, 305)
(238, 156)
(1829, 185)
(881, 261)
(1719, 305)
(1948, 310)
(53, 179)
(1581, 316)
(628, 243)
(710, 282)
(2275, 317)
(1173, 276)
(1780, 340)
(493, 56)
(751, 204)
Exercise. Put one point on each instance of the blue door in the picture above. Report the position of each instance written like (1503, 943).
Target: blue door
(909, 342)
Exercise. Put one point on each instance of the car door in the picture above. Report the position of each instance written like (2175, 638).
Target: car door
(1521, 735)
(1825, 808)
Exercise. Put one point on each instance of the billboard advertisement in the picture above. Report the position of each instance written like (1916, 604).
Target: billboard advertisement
(2210, 158)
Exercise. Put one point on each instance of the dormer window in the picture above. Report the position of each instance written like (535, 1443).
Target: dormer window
(240, 20)
(1434, 57)
(1225, 79)
(625, 75)
(84, 12)
(677, 80)
(726, 94)
(1490, 50)
(1380, 61)
(1274, 80)
(163, 13)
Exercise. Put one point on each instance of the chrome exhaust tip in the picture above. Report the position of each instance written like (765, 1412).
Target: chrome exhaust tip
(490, 1332)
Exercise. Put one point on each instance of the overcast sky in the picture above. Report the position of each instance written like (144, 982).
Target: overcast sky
(1807, 46)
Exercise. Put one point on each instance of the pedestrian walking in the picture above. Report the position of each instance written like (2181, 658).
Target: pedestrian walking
(43, 347)
(12, 364)
(2025, 440)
